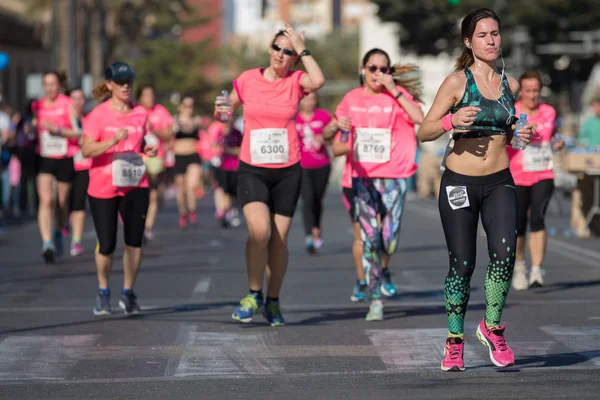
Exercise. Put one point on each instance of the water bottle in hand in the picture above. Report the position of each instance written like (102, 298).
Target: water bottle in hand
(345, 136)
(516, 143)
(225, 116)
(555, 141)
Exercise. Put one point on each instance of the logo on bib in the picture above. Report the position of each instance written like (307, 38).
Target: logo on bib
(457, 197)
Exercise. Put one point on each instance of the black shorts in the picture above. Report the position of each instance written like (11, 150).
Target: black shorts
(278, 188)
(132, 207)
(79, 190)
(182, 162)
(349, 202)
(61, 168)
(227, 180)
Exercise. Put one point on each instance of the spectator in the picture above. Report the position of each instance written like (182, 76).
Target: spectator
(590, 132)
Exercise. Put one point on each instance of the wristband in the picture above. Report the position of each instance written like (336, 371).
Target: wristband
(447, 123)
(398, 95)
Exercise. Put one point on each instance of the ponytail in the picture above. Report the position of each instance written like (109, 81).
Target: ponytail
(101, 92)
(406, 76)
(465, 60)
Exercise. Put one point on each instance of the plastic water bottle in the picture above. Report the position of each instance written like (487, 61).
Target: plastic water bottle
(225, 116)
(516, 143)
(345, 136)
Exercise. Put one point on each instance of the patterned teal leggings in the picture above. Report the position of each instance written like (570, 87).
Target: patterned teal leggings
(373, 197)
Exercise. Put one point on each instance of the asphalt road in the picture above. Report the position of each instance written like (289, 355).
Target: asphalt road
(185, 344)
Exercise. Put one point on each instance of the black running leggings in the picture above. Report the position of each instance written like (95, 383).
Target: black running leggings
(533, 200)
(132, 207)
(462, 200)
(314, 185)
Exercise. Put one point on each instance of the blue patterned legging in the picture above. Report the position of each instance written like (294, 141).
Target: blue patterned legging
(373, 197)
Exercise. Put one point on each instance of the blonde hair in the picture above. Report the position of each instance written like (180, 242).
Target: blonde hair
(101, 92)
(405, 75)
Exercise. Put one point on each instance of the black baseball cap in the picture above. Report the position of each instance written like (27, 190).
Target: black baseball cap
(119, 71)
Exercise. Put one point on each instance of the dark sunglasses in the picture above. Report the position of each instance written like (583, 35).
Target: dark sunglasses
(123, 82)
(374, 68)
(287, 52)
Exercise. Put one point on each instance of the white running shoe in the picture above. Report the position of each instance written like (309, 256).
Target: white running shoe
(519, 280)
(536, 278)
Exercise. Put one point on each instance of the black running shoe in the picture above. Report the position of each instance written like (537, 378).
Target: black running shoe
(129, 303)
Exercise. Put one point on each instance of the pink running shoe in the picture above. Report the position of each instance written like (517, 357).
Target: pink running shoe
(183, 221)
(500, 354)
(148, 235)
(76, 249)
(453, 355)
(193, 218)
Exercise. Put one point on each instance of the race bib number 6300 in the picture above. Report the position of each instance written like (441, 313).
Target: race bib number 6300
(269, 146)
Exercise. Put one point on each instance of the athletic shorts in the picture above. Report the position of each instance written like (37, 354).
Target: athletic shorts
(182, 162)
(227, 180)
(278, 188)
(79, 190)
(61, 168)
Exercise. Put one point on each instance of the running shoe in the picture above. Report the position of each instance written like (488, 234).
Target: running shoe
(519, 280)
(148, 235)
(273, 313)
(388, 287)
(76, 249)
(233, 218)
(66, 230)
(193, 218)
(318, 243)
(129, 303)
(182, 221)
(58, 243)
(453, 355)
(102, 303)
(360, 291)
(375, 311)
(536, 277)
(48, 251)
(309, 245)
(500, 354)
(248, 306)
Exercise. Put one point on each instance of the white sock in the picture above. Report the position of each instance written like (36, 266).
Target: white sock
(535, 267)
(520, 263)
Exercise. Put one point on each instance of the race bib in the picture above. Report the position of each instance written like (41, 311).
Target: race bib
(128, 169)
(269, 146)
(79, 158)
(52, 146)
(457, 197)
(538, 158)
(372, 145)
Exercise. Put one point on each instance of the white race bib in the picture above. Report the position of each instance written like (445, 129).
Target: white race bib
(269, 146)
(52, 146)
(372, 145)
(457, 197)
(128, 169)
(538, 157)
(79, 158)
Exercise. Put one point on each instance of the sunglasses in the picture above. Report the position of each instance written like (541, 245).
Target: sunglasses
(287, 52)
(123, 82)
(373, 68)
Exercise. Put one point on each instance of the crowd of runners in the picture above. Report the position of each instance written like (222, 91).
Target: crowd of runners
(117, 161)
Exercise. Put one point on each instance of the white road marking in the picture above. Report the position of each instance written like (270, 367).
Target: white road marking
(583, 341)
(202, 286)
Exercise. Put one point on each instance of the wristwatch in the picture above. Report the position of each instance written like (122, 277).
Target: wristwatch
(306, 52)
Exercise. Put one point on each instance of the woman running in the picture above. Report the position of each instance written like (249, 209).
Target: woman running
(379, 119)
(114, 136)
(269, 175)
(225, 173)
(533, 173)
(477, 181)
(82, 177)
(57, 144)
(316, 167)
(188, 166)
(160, 122)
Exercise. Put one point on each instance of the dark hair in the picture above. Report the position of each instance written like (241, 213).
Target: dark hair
(531, 75)
(281, 32)
(61, 77)
(75, 89)
(400, 72)
(143, 87)
(468, 26)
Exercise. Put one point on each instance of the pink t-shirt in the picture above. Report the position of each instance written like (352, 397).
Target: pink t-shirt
(208, 145)
(102, 124)
(57, 113)
(545, 124)
(269, 106)
(230, 162)
(160, 118)
(382, 112)
(80, 163)
(314, 154)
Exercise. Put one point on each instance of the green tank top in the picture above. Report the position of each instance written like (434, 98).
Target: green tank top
(493, 119)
